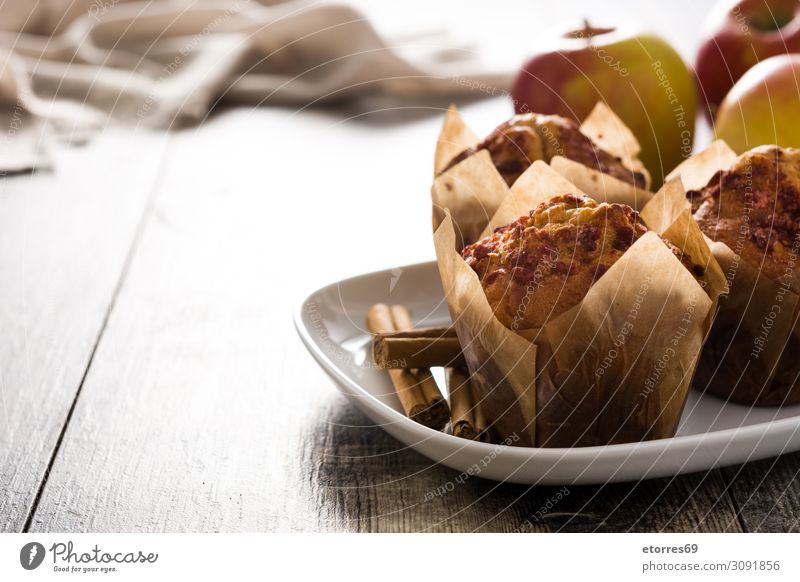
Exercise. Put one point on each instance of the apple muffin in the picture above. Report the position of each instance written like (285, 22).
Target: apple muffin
(517, 143)
(542, 264)
(754, 208)
(752, 355)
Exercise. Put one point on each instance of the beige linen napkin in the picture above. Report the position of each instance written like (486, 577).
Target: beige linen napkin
(66, 66)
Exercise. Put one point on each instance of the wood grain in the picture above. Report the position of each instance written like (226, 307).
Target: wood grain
(64, 237)
(367, 481)
(195, 408)
(767, 493)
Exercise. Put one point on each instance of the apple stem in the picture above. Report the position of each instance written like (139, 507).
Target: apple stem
(588, 31)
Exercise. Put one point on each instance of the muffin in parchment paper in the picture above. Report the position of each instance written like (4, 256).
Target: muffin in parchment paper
(598, 348)
(750, 208)
(473, 176)
(524, 139)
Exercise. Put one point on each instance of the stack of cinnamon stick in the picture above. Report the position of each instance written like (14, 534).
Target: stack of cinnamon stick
(408, 354)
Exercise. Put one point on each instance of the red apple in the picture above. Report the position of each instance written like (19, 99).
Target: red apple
(639, 76)
(740, 34)
(763, 106)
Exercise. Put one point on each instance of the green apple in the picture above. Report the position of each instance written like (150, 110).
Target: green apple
(638, 75)
(763, 107)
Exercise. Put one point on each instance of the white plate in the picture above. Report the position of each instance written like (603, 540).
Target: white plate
(712, 432)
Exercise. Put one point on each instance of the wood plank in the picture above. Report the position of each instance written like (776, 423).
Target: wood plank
(366, 481)
(64, 238)
(193, 410)
(767, 493)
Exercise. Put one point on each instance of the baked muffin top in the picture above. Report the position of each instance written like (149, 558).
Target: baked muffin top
(754, 208)
(517, 143)
(544, 263)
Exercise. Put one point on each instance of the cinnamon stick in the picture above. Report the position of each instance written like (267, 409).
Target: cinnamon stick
(424, 332)
(417, 390)
(401, 318)
(402, 322)
(418, 348)
(462, 406)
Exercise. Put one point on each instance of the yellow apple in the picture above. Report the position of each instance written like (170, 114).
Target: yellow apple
(763, 107)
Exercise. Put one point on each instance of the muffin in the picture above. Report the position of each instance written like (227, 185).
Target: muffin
(753, 207)
(517, 143)
(542, 264)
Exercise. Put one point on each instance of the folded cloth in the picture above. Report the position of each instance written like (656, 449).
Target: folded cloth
(70, 65)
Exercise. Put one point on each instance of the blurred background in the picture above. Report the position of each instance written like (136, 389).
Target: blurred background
(374, 76)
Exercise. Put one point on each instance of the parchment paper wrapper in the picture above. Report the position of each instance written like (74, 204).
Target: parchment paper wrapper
(615, 368)
(473, 189)
(609, 132)
(752, 355)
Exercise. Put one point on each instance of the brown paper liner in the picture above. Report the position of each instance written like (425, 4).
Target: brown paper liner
(695, 172)
(472, 190)
(454, 138)
(752, 355)
(502, 364)
(615, 368)
(603, 188)
(608, 131)
(533, 187)
(669, 214)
